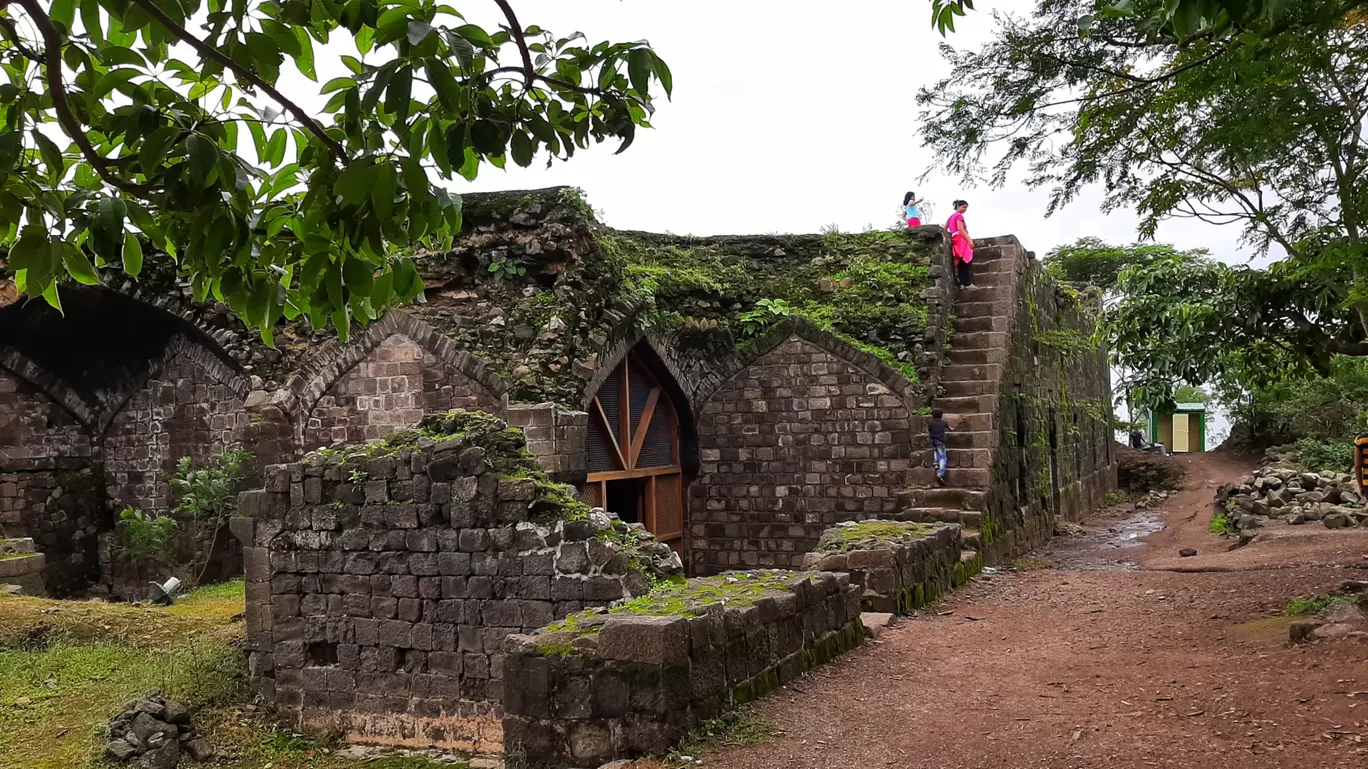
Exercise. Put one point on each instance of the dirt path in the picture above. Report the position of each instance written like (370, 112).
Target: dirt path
(1110, 659)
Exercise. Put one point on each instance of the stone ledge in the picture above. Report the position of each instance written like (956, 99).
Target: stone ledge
(632, 680)
(898, 566)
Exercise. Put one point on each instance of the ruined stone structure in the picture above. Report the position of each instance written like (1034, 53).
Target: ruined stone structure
(382, 582)
(736, 395)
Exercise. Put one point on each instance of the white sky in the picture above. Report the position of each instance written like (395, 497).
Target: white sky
(788, 117)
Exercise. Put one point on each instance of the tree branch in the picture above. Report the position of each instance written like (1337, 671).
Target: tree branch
(52, 58)
(515, 29)
(210, 52)
(7, 25)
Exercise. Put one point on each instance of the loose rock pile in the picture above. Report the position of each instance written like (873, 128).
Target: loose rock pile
(1294, 497)
(155, 732)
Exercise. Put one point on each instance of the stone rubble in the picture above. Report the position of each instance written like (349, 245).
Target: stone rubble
(156, 733)
(1287, 495)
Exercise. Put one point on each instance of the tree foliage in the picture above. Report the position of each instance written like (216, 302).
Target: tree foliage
(1265, 132)
(1173, 20)
(161, 129)
(1092, 262)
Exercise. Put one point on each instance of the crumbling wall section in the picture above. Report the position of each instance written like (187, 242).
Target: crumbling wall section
(899, 567)
(50, 488)
(381, 580)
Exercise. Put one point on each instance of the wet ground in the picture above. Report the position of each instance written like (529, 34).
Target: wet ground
(1120, 655)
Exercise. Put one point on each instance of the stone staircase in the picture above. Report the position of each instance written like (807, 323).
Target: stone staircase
(21, 567)
(971, 385)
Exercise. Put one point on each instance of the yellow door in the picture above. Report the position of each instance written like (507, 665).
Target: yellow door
(1180, 432)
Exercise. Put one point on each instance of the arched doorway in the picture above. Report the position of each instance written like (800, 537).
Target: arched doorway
(635, 464)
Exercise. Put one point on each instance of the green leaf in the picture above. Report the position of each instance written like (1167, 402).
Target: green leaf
(486, 137)
(397, 94)
(383, 190)
(275, 148)
(662, 73)
(442, 81)
(204, 155)
(78, 265)
(418, 32)
(522, 149)
(52, 157)
(354, 183)
(359, 276)
(152, 154)
(51, 296)
(639, 68)
(305, 60)
(132, 255)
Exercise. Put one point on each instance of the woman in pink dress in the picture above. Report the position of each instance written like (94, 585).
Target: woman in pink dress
(961, 245)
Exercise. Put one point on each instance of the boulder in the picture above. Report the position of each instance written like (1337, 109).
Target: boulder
(1335, 521)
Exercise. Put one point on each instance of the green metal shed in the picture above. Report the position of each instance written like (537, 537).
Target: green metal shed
(1182, 430)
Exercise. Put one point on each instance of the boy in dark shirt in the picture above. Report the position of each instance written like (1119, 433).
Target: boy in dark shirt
(937, 429)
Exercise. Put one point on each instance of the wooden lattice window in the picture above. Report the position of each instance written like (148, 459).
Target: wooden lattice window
(634, 466)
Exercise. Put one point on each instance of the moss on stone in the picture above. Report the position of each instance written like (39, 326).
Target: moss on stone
(686, 598)
(872, 534)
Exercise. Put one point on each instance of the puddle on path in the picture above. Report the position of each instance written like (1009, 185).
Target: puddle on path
(1108, 544)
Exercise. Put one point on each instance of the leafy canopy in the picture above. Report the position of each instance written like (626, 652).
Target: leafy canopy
(1173, 20)
(1092, 262)
(158, 129)
(1263, 131)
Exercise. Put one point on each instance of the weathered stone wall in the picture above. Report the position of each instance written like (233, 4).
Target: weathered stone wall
(811, 433)
(50, 491)
(390, 389)
(632, 682)
(556, 437)
(184, 409)
(382, 581)
(1055, 458)
(899, 567)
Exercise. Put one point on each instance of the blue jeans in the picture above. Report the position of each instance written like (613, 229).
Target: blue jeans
(941, 461)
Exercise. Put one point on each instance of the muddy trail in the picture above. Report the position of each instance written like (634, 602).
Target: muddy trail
(1107, 650)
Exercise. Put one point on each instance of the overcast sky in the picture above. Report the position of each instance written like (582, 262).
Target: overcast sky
(789, 117)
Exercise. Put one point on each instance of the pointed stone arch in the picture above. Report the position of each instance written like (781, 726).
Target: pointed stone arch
(326, 370)
(799, 432)
(25, 368)
(798, 327)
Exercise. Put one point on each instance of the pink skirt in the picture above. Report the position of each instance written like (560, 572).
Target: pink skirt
(914, 222)
(961, 248)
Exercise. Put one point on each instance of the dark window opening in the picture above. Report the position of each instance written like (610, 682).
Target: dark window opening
(322, 654)
(625, 498)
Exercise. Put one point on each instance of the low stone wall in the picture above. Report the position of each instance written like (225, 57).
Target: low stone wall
(21, 567)
(60, 505)
(382, 579)
(632, 680)
(899, 567)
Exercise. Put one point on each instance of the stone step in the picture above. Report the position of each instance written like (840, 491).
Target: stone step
(968, 556)
(21, 564)
(980, 340)
(948, 497)
(929, 515)
(970, 423)
(987, 291)
(971, 439)
(967, 404)
(973, 477)
(985, 323)
(994, 265)
(982, 309)
(972, 373)
(17, 545)
(972, 539)
(963, 389)
(975, 357)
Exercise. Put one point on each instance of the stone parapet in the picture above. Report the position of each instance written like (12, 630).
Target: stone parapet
(899, 567)
(633, 680)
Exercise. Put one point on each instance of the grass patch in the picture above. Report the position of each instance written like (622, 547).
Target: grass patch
(1301, 607)
(66, 667)
(735, 729)
(1115, 497)
(1031, 564)
(1221, 523)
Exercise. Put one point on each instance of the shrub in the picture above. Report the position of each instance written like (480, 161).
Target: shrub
(1320, 456)
(147, 536)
